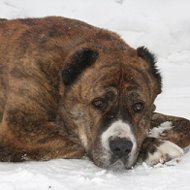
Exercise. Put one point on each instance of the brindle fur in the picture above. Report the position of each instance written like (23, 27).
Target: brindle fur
(43, 117)
(179, 134)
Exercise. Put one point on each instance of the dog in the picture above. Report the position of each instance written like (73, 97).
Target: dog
(70, 90)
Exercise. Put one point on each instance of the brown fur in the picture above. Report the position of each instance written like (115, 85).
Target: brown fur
(40, 117)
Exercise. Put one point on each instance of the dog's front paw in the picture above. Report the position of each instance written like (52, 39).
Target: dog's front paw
(156, 151)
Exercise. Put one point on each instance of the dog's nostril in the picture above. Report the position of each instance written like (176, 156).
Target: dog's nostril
(121, 146)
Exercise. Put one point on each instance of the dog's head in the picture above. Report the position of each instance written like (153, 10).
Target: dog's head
(109, 95)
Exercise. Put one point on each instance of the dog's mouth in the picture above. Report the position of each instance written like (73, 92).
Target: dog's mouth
(119, 163)
(106, 159)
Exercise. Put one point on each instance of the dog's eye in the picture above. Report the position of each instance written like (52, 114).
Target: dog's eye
(99, 103)
(138, 107)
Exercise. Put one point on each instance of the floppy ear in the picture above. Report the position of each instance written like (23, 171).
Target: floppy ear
(145, 54)
(77, 63)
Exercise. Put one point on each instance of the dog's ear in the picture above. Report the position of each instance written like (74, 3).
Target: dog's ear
(150, 58)
(77, 63)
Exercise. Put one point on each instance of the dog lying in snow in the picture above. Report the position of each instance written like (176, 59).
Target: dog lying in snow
(69, 89)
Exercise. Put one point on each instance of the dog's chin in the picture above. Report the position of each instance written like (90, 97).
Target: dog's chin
(119, 164)
(107, 161)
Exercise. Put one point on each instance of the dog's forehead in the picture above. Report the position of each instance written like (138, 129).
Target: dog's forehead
(114, 72)
(118, 81)
(125, 72)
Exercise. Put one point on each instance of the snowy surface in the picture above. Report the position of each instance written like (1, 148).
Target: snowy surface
(162, 26)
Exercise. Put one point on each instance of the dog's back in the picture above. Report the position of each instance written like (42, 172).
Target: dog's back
(30, 54)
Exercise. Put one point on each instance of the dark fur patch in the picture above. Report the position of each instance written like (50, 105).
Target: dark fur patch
(2, 21)
(78, 62)
(150, 58)
(19, 73)
(28, 21)
(54, 32)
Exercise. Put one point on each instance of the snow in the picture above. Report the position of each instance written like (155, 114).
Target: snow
(162, 26)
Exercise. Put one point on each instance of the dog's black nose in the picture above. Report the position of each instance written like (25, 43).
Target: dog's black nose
(120, 146)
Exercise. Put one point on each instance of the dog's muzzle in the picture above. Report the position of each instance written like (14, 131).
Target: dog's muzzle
(119, 146)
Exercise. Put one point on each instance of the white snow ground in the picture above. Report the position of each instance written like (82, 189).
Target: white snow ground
(164, 27)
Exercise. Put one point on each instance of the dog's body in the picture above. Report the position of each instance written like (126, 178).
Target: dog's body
(68, 89)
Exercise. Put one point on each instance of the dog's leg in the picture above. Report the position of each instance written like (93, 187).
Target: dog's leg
(155, 150)
(168, 136)
(174, 129)
(48, 144)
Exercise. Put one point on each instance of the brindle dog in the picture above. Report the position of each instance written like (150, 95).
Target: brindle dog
(69, 89)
